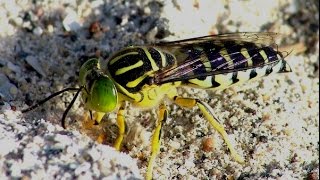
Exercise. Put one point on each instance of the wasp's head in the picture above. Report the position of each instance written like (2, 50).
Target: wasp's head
(99, 93)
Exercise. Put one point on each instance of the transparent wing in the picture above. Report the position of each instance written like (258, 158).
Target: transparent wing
(267, 38)
(211, 55)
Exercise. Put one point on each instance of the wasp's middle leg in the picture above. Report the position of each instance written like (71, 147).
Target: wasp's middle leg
(156, 139)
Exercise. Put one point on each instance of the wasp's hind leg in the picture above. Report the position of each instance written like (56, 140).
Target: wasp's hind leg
(209, 115)
(156, 140)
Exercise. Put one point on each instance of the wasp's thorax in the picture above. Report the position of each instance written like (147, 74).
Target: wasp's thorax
(99, 92)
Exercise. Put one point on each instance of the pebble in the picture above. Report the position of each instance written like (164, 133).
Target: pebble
(8, 91)
(15, 170)
(82, 168)
(207, 144)
(2, 62)
(14, 67)
(182, 170)
(34, 63)
(174, 145)
(94, 154)
(71, 22)
(38, 31)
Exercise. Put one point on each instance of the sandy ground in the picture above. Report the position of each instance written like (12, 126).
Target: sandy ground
(273, 122)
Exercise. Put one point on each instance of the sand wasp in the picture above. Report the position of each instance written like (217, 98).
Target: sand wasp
(145, 75)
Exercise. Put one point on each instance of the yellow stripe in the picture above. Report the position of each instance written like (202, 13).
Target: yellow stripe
(135, 82)
(240, 43)
(207, 64)
(224, 80)
(125, 69)
(137, 96)
(119, 57)
(153, 63)
(264, 56)
(218, 43)
(202, 83)
(243, 76)
(245, 53)
(163, 59)
(223, 52)
(277, 67)
(205, 60)
(279, 57)
(261, 71)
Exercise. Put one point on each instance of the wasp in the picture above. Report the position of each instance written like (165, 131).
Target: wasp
(146, 75)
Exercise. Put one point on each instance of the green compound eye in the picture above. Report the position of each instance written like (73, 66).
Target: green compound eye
(100, 93)
(103, 95)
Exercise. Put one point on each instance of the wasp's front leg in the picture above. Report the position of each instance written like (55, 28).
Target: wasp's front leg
(90, 122)
(121, 127)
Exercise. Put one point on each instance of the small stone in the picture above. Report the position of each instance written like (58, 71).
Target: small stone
(174, 145)
(8, 91)
(50, 28)
(312, 176)
(95, 27)
(266, 116)
(15, 170)
(71, 22)
(2, 62)
(96, 30)
(13, 67)
(82, 168)
(95, 155)
(13, 90)
(37, 31)
(34, 63)
(207, 145)
(182, 170)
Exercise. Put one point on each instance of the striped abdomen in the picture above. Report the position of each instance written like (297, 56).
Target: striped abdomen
(222, 65)
(222, 81)
(134, 67)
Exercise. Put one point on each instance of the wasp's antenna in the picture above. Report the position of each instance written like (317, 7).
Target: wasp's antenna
(48, 98)
(63, 120)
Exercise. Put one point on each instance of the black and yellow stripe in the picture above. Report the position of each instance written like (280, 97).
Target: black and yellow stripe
(222, 81)
(245, 61)
(134, 67)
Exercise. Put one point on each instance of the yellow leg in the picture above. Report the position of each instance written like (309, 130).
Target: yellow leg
(90, 125)
(97, 119)
(98, 116)
(121, 126)
(86, 121)
(156, 140)
(208, 113)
